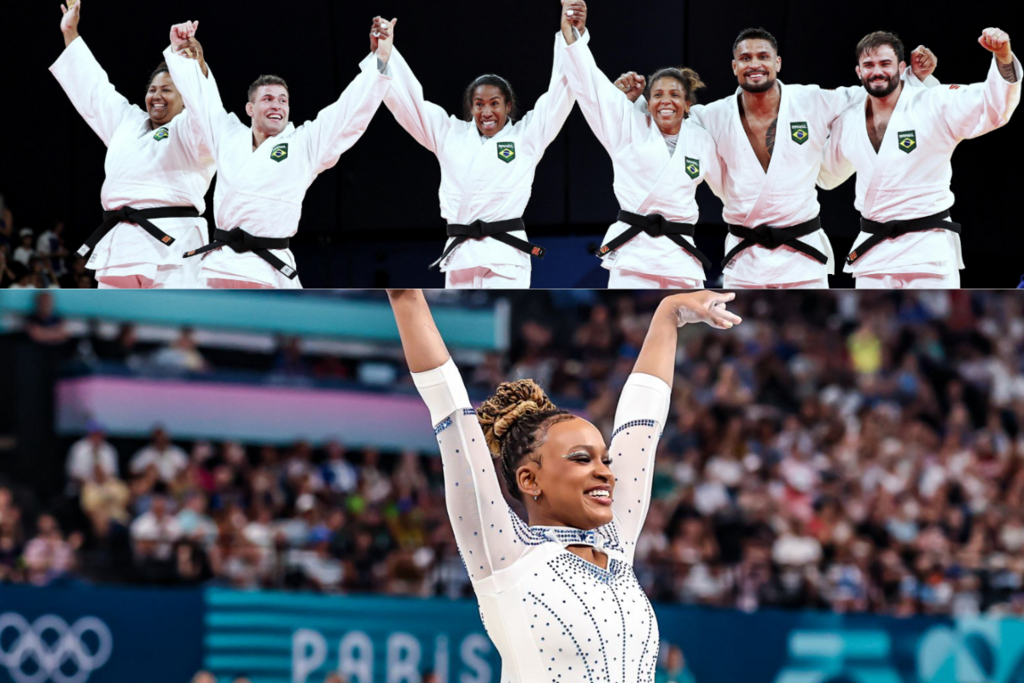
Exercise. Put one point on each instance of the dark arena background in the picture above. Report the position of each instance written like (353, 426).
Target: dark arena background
(374, 219)
(247, 483)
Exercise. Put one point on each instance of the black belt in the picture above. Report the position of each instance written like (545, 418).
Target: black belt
(241, 242)
(773, 238)
(655, 225)
(140, 217)
(883, 231)
(498, 230)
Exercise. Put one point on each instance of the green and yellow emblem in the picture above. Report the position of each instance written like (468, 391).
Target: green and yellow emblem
(507, 151)
(908, 141)
(161, 134)
(280, 152)
(692, 167)
(799, 131)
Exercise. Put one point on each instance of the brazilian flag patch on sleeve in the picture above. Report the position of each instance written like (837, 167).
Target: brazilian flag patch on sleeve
(507, 151)
(280, 152)
(908, 141)
(800, 132)
(692, 167)
(161, 134)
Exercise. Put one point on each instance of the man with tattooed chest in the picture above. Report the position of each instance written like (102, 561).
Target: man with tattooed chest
(770, 138)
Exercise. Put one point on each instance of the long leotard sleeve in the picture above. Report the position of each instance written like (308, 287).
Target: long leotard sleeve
(90, 90)
(639, 420)
(485, 526)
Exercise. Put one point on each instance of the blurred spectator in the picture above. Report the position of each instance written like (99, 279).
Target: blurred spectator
(24, 251)
(7, 275)
(22, 276)
(204, 677)
(50, 248)
(181, 355)
(154, 535)
(166, 459)
(672, 667)
(88, 453)
(288, 361)
(338, 473)
(48, 556)
(42, 275)
(6, 222)
(43, 325)
(335, 677)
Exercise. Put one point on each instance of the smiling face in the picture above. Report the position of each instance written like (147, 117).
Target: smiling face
(756, 65)
(490, 109)
(269, 109)
(163, 101)
(668, 105)
(577, 487)
(879, 70)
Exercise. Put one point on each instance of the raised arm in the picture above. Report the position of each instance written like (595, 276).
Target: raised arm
(976, 109)
(644, 403)
(545, 120)
(85, 81)
(340, 125)
(484, 525)
(425, 121)
(609, 114)
(835, 169)
(194, 80)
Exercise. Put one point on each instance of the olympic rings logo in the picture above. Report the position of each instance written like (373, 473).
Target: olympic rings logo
(53, 650)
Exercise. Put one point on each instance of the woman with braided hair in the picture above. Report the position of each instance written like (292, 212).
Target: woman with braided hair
(557, 593)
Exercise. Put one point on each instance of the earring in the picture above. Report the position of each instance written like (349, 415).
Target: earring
(536, 494)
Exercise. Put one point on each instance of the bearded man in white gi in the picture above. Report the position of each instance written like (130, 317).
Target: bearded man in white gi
(900, 142)
(266, 168)
(771, 204)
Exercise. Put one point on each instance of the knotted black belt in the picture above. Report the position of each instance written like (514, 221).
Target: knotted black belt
(241, 242)
(141, 218)
(773, 238)
(655, 225)
(884, 231)
(498, 230)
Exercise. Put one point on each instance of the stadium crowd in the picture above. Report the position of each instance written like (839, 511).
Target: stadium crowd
(851, 451)
(31, 259)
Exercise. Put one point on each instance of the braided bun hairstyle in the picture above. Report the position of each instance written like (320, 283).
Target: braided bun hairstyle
(688, 78)
(515, 422)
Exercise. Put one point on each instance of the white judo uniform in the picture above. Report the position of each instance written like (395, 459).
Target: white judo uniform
(552, 615)
(482, 179)
(145, 168)
(650, 177)
(261, 191)
(909, 177)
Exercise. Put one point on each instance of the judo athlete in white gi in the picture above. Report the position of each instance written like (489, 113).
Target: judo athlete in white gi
(157, 167)
(659, 157)
(770, 137)
(557, 593)
(266, 169)
(900, 142)
(488, 161)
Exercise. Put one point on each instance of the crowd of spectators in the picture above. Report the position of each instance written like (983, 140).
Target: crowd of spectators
(31, 259)
(851, 451)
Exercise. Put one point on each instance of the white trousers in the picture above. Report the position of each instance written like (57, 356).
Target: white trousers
(485, 278)
(909, 281)
(631, 279)
(733, 283)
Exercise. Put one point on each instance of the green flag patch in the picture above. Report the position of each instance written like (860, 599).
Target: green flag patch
(161, 134)
(280, 152)
(800, 132)
(692, 167)
(908, 141)
(507, 151)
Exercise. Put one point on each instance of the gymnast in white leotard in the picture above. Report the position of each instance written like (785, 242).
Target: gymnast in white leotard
(557, 595)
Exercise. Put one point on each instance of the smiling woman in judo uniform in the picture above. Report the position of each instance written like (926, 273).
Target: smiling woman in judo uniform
(660, 157)
(158, 170)
(488, 160)
(557, 593)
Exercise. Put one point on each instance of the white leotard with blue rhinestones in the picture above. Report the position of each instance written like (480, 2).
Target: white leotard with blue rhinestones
(552, 615)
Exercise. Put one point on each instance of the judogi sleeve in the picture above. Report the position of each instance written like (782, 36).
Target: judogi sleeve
(545, 121)
(639, 420)
(835, 169)
(484, 525)
(425, 121)
(340, 125)
(976, 109)
(201, 96)
(607, 110)
(714, 175)
(89, 89)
